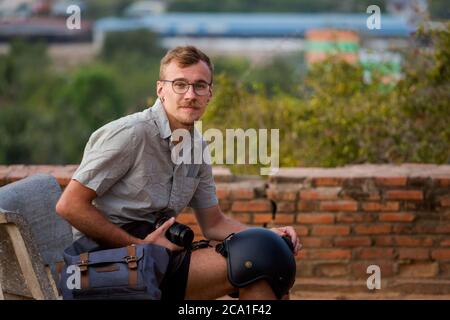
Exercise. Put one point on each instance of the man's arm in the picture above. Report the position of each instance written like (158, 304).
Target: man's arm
(75, 205)
(215, 225)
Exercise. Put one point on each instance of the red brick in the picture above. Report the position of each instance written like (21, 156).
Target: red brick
(315, 218)
(329, 254)
(330, 230)
(445, 201)
(406, 228)
(376, 206)
(440, 254)
(444, 182)
(320, 194)
(397, 217)
(373, 196)
(259, 205)
(352, 242)
(348, 206)
(316, 242)
(301, 230)
(391, 181)
(435, 228)
(282, 194)
(375, 253)
(414, 254)
(384, 241)
(408, 241)
(285, 206)
(372, 228)
(404, 195)
(222, 193)
(284, 218)
(359, 268)
(197, 231)
(307, 206)
(443, 228)
(419, 270)
(243, 193)
(444, 270)
(300, 257)
(445, 243)
(262, 218)
(327, 181)
(331, 270)
(354, 217)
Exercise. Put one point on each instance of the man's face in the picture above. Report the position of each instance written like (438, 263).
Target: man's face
(183, 109)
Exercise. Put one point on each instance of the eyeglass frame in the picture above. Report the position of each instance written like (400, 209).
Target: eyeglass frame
(189, 84)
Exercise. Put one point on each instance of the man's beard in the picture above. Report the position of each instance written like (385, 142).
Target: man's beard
(194, 105)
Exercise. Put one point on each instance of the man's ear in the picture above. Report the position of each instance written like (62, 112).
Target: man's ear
(210, 92)
(159, 88)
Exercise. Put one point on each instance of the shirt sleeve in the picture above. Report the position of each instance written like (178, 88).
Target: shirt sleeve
(107, 157)
(205, 194)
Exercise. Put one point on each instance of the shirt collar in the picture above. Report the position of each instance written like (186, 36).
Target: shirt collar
(161, 120)
(164, 126)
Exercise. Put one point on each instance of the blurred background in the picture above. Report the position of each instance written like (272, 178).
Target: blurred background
(339, 92)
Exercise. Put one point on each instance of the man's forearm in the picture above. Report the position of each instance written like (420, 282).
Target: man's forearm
(91, 222)
(224, 228)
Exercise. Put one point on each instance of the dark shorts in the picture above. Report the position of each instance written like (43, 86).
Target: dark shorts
(174, 283)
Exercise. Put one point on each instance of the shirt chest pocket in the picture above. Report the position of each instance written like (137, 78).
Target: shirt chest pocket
(182, 192)
(157, 191)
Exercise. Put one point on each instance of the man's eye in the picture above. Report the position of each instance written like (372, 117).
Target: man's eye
(201, 85)
(180, 85)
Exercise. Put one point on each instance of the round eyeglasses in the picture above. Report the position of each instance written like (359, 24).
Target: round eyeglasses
(201, 88)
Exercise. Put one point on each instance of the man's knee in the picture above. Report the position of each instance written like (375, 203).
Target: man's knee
(259, 254)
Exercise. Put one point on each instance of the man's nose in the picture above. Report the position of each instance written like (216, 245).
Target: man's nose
(190, 93)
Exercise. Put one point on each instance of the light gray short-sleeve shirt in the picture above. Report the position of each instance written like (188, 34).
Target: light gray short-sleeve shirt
(128, 164)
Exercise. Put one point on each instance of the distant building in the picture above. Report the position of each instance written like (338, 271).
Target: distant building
(244, 25)
(322, 43)
(257, 35)
(145, 8)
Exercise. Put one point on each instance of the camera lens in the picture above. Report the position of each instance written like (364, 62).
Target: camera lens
(178, 233)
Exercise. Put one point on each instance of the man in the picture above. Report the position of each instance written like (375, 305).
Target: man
(127, 174)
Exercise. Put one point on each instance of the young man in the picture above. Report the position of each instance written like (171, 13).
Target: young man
(127, 174)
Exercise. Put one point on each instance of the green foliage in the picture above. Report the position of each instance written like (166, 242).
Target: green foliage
(337, 119)
(134, 45)
(327, 115)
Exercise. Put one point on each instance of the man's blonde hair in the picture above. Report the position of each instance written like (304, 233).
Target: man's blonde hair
(185, 57)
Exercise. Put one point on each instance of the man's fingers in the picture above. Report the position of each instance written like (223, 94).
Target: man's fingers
(165, 226)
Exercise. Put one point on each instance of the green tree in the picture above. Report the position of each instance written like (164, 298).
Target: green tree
(90, 99)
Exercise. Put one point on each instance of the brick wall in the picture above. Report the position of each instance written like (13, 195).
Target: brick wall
(396, 217)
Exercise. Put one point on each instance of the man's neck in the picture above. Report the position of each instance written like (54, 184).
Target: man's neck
(174, 125)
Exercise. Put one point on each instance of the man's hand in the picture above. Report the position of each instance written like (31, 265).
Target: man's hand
(291, 234)
(159, 236)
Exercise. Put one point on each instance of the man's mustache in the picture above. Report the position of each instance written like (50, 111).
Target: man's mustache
(190, 105)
